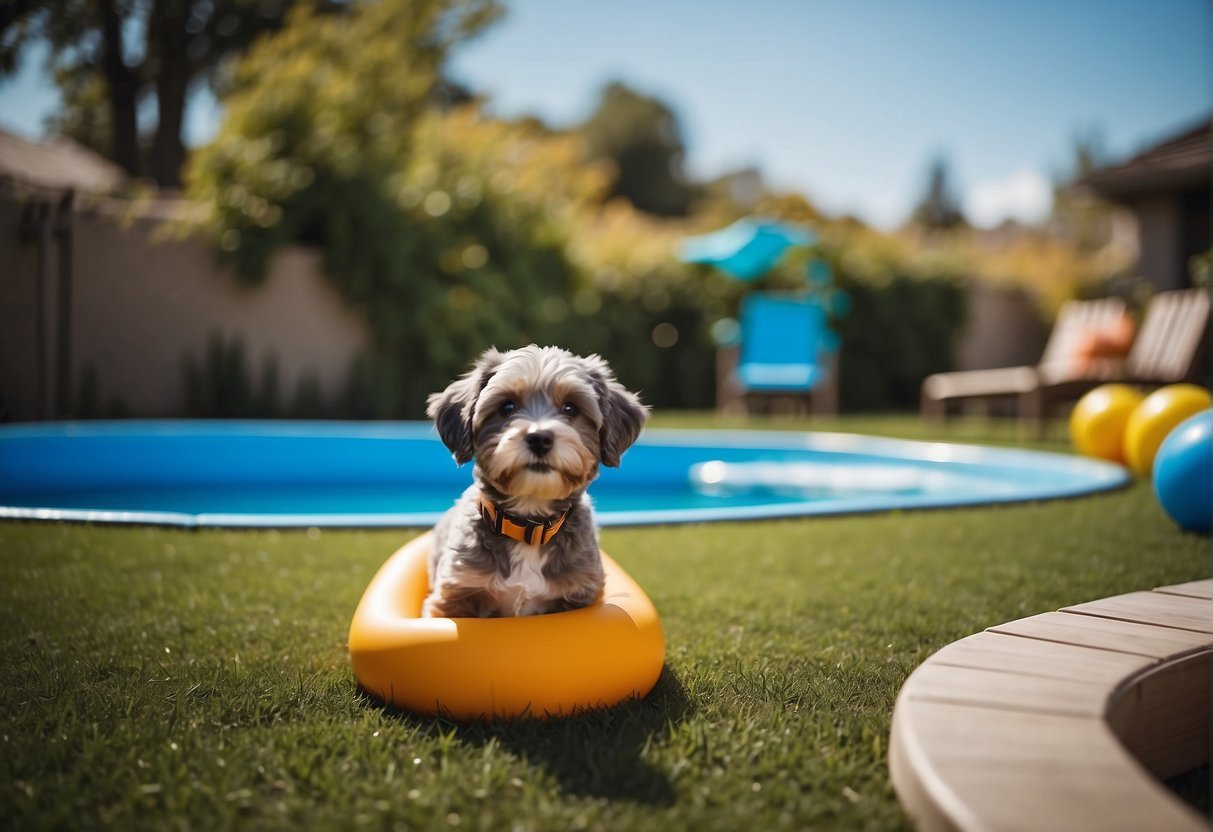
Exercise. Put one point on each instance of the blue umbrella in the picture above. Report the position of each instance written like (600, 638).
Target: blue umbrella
(820, 273)
(746, 249)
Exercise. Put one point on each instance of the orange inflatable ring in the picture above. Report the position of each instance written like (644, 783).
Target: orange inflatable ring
(500, 668)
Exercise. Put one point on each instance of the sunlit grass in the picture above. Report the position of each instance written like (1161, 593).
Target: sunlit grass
(154, 678)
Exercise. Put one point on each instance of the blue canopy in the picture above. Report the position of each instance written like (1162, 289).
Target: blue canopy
(746, 249)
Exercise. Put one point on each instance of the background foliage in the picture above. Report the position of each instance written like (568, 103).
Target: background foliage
(451, 231)
(112, 58)
(641, 136)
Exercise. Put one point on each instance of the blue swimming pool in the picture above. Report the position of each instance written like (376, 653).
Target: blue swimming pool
(282, 474)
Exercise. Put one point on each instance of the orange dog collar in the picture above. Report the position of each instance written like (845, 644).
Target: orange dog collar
(525, 531)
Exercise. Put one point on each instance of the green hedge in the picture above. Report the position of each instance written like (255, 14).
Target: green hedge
(897, 333)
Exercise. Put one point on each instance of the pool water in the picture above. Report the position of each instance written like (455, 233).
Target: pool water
(282, 474)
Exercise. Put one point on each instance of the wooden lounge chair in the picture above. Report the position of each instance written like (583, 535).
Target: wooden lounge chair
(1075, 318)
(1167, 349)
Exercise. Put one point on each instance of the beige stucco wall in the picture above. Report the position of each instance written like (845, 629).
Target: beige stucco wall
(1160, 238)
(142, 304)
(1003, 328)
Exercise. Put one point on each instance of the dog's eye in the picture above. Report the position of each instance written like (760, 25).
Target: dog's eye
(506, 408)
(570, 410)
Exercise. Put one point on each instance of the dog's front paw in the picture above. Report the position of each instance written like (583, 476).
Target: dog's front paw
(459, 605)
(573, 601)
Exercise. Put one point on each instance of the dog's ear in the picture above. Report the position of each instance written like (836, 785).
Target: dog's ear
(454, 409)
(623, 415)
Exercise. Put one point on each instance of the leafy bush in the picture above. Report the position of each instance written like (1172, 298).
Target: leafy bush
(220, 385)
(905, 313)
(897, 334)
(444, 251)
(317, 117)
(451, 232)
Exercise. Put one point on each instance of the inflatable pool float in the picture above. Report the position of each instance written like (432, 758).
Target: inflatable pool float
(500, 668)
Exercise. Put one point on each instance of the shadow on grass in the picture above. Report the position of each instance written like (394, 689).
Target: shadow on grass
(595, 754)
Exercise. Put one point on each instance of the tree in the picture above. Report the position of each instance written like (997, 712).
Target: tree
(939, 208)
(1078, 215)
(319, 118)
(440, 228)
(110, 56)
(642, 137)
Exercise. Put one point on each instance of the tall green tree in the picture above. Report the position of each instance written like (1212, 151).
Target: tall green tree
(319, 119)
(939, 208)
(109, 57)
(432, 226)
(642, 137)
(1078, 215)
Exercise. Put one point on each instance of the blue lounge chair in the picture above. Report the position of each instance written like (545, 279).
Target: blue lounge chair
(786, 350)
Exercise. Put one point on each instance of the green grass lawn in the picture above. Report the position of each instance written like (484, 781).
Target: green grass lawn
(158, 678)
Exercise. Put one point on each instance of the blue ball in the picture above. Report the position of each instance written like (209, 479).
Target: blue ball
(1183, 472)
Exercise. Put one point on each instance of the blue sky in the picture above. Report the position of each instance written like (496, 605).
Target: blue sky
(845, 101)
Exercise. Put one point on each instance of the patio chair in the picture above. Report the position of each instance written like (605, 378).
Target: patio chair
(786, 352)
(1075, 318)
(1169, 348)
(1166, 349)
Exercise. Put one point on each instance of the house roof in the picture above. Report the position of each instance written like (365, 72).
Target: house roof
(1180, 163)
(59, 164)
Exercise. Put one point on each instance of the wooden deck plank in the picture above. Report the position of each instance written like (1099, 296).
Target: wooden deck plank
(977, 768)
(1163, 716)
(1157, 608)
(935, 682)
(1195, 589)
(1106, 634)
(1056, 721)
(1034, 658)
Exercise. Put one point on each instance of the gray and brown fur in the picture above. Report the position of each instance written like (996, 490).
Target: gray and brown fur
(538, 421)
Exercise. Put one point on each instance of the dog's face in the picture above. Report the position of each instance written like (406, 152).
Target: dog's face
(538, 420)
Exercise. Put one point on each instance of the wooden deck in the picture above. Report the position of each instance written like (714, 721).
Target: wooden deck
(1064, 720)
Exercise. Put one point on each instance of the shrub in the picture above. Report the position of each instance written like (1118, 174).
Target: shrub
(452, 232)
(220, 385)
(897, 334)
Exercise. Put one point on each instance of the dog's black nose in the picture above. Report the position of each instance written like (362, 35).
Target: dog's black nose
(539, 441)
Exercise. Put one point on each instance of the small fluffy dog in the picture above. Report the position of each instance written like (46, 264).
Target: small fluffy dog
(522, 539)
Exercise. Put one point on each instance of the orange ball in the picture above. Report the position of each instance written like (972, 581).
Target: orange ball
(1097, 423)
(1157, 416)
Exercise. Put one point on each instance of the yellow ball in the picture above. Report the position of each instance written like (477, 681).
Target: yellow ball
(1155, 417)
(1097, 423)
